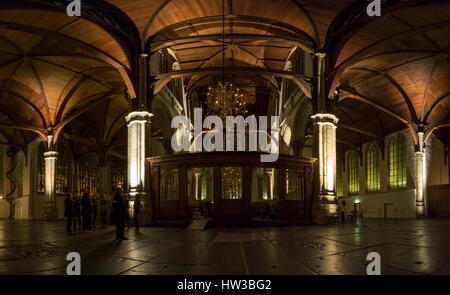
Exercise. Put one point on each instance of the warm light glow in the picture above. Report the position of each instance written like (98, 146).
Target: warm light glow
(50, 159)
(136, 150)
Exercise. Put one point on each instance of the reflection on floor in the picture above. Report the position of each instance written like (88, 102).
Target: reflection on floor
(408, 247)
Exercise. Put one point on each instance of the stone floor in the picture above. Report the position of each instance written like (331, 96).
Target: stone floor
(406, 247)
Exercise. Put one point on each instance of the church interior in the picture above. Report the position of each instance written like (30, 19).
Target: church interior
(87, 104)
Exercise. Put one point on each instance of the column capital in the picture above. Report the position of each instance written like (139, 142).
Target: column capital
(141, 116)
(320, 54)
(325, 118)
(51, 155)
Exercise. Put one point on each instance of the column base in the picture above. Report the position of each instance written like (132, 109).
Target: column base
(325, 212)
(51, 213)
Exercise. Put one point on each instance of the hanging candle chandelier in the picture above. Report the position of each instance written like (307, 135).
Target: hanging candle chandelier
(225, 100)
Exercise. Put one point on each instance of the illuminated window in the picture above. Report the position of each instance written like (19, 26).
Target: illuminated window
(204, 183)
(19, 174)
(397, 162)
(232, 183)
(339, 188)
(41, 169)
(373, 168)
(168, 184)
(88, 178)
(1, 170)
(295, 185)
(353, 173)
(119, 173)
(62, 168)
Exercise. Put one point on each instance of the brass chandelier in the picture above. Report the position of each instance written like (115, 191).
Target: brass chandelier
(225, 99)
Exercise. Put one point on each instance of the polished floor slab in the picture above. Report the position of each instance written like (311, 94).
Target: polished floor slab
(406, 247)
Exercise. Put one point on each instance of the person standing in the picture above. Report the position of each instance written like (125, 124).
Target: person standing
(136, 208)
(103, 208)
(119, 215)
(94, 210)
(86, 210)
(68, 212)
(76, 214)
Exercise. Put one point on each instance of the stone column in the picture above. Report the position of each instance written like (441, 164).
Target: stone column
(420, 176)
(51, 210)
(197, 186)
(137, 129)
(325, 205)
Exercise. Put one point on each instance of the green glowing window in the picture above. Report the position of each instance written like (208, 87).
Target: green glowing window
(353, 173)
(339, 188)
(373, 168)
(397, 162)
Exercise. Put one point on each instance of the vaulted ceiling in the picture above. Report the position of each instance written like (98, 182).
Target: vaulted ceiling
(386, 72)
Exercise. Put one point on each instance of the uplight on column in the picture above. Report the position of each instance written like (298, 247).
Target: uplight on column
(136, 150)
(327, 154)
(50, 159)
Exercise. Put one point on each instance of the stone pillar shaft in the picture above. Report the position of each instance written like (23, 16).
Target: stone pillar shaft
(420, 176)
(50, 159)
(137, 122)
(325, 205)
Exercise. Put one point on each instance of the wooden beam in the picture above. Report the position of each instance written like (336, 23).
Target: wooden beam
(354, 95)
(163, 79)
(155, 46)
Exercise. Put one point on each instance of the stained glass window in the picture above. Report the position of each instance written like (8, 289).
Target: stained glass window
(339, 187)
(353, 173)
(41, 169)
(397, 162)
(373, 168)
(62, 167)
(119, 173)
(295, 185)
(19, 174)
(168, 184)
(232, 183)
(88, 178)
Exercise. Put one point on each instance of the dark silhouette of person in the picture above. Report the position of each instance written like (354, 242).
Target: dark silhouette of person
(103, 210)
(68, 212)
(86, 211)
(136, 208)
(76, 213)
(118, 215)
(94, 210)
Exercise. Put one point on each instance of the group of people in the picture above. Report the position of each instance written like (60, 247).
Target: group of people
(82, 213)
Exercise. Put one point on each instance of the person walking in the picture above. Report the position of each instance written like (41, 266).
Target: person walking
(68, 212)
(76, 214)
(94, 210)
(136, 208)
(119, 215)
(103, 209)
(87, 212)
